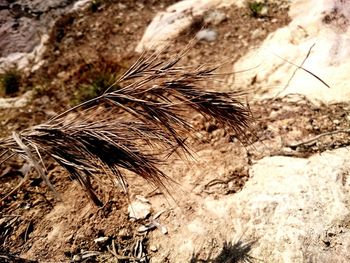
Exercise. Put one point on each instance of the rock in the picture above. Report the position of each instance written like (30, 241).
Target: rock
(139, 209)
(78, 5)
(17, 102)
(69, 238)
(77, 258)
(145, 228)
(124, 233)
(206, 35)
(328, 28)
(297, 210)
(101, 240)
(22, 23)
(264, 11)
(214, 17)
(24, 29)
(153, 248)
(169, 24)
(25, 61)
(257, 33)
(290, 202)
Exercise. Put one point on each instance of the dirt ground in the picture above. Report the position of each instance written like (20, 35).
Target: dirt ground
(36, 226)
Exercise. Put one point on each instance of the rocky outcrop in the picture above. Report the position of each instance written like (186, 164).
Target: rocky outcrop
(296, 210)
(169, 24)
(319, 27)
(24, 29)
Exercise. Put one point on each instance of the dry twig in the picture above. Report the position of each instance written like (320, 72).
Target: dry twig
(317, 137)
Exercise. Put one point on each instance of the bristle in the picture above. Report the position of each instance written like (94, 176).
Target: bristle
(94, 138)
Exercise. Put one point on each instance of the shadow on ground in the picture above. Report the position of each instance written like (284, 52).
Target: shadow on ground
(231, 252)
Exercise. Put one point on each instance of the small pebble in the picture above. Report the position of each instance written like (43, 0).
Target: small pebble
(139, 209)
(206, 35)
(153, 248)
(77, 258)
(101, 240)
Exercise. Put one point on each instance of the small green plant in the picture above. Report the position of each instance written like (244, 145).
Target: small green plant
(94, 88)
(10, 81)
(94, 78)
(257, 8)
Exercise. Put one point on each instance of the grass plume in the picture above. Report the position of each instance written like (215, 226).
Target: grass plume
(132, 128)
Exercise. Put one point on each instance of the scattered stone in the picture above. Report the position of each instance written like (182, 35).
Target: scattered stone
(69, 238)
(124, 233)
(81, 4)
(264, 11)
(145, 228)
(77, 258)
(139, 210)
(257, 33)
(215, 17)
(17, 102)
(153, 248)
(101, 240)
(207, 35)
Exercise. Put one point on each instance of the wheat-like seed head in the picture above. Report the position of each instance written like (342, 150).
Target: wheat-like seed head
(132, 128)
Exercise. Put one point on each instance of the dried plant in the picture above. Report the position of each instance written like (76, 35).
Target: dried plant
(133, 128)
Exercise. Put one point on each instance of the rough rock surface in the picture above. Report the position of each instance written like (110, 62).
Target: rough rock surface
(24, 26)
(18, 102)
(297, 210)
(324, 24)
(167, 25)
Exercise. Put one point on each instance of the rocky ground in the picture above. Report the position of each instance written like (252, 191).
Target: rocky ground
(284, 197)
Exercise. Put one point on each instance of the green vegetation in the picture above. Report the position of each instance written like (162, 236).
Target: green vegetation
(95, 87)
(10, 82)
(94, 78)
(257, 8)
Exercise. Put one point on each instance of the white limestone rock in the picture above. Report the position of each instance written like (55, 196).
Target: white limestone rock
(17, 102)
(208, 35)
(169, 24)
(323, 23)
(297, 210)
(139, 209)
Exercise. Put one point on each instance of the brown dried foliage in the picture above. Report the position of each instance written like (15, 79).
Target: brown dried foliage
(133, 128)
